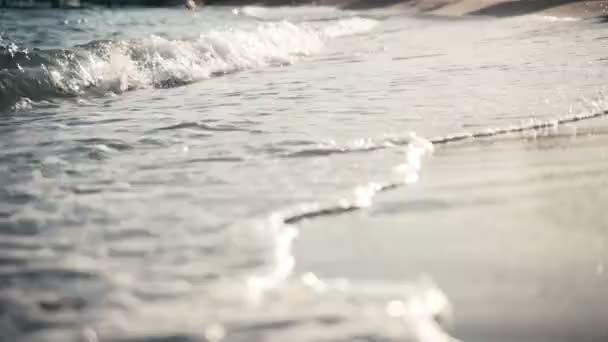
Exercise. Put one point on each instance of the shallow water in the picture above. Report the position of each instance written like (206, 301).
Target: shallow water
(310, 174)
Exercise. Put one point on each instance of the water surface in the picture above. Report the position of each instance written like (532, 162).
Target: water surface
(254, 174)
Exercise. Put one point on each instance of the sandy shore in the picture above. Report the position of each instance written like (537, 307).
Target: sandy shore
(496, 8)
(502, 8)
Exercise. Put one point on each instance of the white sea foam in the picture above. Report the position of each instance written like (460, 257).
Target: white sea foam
(552, 18)
(349, 26)
(300, 12)
(271, 303)
(160, 62)
(272, 237)
(114, 67)
(307, 308)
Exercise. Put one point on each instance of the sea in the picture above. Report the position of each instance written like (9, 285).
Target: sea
(302, 174)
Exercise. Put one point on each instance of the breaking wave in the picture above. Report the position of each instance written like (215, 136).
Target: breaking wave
(104, 67)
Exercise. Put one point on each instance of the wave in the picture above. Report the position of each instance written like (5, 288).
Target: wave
(299, 12)
(533, 125)
(304, 309)
(416, 148)
(273, 301)
(551, 18)
(423, 313)
(364, 145)
(110, 67)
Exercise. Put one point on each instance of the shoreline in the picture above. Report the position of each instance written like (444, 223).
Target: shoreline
(455, 8)
(501, 8)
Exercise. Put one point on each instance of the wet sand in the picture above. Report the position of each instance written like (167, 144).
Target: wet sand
(531, 268)
(499, 8)
(495, 8)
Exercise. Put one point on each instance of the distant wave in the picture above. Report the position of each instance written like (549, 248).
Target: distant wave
(300, 12)
(103, 67)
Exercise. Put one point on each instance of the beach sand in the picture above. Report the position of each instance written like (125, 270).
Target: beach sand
(567, 8)
(495, 8)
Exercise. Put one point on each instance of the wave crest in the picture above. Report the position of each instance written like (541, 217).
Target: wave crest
(102, 67)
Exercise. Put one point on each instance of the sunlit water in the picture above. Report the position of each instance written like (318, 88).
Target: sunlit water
(251, 174)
